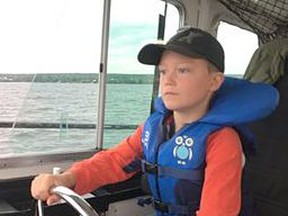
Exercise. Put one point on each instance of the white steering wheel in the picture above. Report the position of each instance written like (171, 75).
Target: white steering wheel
(76, 201)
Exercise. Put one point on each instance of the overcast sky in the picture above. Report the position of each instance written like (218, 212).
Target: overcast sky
(56, 36)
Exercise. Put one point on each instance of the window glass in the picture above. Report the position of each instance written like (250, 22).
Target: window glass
(239, 46)
(129, 87)
(50, 53)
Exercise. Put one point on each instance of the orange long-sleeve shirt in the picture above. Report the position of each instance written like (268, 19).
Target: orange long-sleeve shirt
(221, 193)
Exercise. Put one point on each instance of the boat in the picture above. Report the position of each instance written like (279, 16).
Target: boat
(116, 33)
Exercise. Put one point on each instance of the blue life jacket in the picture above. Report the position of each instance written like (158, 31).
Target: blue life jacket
(175, 167)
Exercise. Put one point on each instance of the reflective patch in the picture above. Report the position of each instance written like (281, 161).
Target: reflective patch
(146, 138)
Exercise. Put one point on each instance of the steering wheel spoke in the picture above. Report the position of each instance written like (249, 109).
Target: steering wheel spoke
(73, 199)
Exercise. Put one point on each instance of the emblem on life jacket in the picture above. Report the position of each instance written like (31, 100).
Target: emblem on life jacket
(182, 150)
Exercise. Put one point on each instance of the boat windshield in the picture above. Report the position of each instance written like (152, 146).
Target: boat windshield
(50, 57)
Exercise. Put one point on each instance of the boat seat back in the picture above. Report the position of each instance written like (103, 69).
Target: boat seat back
(267, 171)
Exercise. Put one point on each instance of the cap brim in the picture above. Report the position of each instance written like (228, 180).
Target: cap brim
(151, 54)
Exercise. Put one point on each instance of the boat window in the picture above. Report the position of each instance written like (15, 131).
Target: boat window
(50, 54)
(239, 46)
(129, 87)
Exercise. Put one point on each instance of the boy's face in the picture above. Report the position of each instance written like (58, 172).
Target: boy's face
(187, 84)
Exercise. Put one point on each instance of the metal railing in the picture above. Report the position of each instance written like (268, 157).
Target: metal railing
(59, 125)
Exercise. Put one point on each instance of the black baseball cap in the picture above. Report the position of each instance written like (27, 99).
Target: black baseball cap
(191, 42)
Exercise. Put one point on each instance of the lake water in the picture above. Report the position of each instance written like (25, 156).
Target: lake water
(76, 103)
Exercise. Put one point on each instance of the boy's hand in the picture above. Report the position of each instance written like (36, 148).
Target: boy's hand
(42, 184)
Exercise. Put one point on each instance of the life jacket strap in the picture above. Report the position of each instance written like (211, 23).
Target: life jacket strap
(174, 208)
(192, 175)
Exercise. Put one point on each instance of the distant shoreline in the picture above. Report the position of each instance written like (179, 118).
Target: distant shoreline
(78, 78)
(82, 78)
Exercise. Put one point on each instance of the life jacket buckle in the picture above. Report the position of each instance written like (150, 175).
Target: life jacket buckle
(150, 168)
(144, 201)
(160, 206)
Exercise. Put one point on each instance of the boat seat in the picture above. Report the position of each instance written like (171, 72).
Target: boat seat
(267, 171)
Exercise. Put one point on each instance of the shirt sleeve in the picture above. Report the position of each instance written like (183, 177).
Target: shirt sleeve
(221, 193)
(107, 166)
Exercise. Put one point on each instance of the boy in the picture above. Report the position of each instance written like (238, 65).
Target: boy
(188, 148)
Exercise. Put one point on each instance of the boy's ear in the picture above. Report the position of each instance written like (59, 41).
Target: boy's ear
(217, 80)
